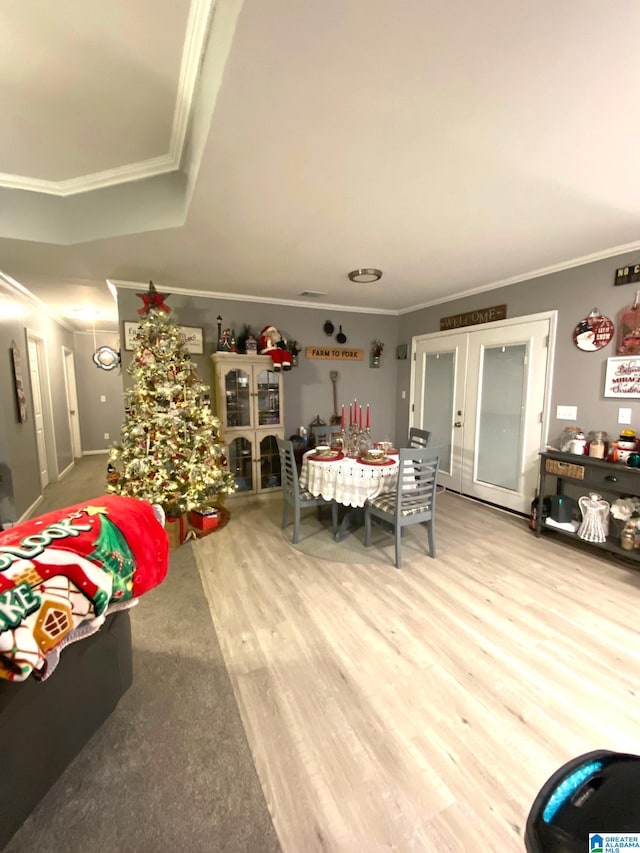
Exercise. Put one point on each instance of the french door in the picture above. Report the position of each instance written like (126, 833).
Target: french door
(482, 393)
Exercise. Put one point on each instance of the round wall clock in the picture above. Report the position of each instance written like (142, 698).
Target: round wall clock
(593, 332)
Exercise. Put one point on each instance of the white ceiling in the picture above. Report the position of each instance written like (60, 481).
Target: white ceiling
(264, 148)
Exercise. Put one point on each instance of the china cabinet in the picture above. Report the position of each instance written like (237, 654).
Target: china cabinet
(586, 476)
(250, 405)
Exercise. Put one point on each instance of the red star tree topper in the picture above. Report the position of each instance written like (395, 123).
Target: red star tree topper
(153, 299)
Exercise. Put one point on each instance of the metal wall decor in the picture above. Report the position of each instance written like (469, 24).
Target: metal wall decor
(593, 332)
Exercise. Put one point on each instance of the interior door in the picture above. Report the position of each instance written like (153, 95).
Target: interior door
(38, 414)
(482, 393)
(72, 401)
(439, 399)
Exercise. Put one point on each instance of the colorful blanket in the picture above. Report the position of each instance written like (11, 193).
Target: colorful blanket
(63, 572)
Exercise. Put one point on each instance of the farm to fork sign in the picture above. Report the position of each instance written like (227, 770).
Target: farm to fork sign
(336, 353)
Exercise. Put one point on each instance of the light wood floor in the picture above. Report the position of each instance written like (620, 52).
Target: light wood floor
(422, 709)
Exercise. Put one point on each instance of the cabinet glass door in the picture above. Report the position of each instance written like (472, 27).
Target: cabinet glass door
(241, 463)
(268, 388)
(269, 463)
(237, 399)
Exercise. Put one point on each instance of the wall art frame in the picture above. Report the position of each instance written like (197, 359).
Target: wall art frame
(622, 377)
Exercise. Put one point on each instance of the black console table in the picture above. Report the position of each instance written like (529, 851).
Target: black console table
(584, 474)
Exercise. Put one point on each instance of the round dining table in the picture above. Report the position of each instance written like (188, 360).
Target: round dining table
(348, 481)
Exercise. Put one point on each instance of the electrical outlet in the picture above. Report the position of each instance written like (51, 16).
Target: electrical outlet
(106, 435)
(404, 395)
(566, 413)
(103, 399)
(624, 416)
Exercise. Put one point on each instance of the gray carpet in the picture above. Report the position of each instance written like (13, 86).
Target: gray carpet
(170, 770)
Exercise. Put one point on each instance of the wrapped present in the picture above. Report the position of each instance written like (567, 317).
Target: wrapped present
(205, 519)
(177, 528)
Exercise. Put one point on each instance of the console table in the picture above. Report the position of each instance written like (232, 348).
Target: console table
(584, 474)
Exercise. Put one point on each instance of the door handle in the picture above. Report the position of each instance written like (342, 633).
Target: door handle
(458, 424)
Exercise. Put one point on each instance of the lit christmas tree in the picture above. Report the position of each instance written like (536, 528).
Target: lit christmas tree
(168, 452)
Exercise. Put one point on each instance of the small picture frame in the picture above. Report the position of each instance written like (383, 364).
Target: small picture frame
(401, 351)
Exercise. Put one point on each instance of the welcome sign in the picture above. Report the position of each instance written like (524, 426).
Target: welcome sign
(473, 318)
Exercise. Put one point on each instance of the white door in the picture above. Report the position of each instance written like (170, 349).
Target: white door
(482, 393)
(72, 401)
(38, 414)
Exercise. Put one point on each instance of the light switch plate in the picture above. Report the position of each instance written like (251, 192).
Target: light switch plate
(624, 416)
(566, 413)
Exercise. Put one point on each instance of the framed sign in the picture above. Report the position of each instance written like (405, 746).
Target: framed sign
(192, 335)
(622, 378)
(336, 353)
(21, 398)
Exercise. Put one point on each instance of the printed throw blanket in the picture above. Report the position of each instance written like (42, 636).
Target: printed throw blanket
(63, 572)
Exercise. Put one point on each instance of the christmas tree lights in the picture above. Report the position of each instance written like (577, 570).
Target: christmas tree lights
(168, 451)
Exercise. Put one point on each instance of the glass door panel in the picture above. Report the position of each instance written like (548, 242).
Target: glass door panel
(237, 399)
(437, 402)
(269, 463)
(241, 463)
(501, 410)
(268, 386)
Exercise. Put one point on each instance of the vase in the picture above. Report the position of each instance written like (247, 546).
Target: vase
(595, 518)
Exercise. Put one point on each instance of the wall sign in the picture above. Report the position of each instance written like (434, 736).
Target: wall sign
(622, 378)
(193, 337)
(21, 397)
(335, 353)
(627, 275)
(473, 318)
(593, 332)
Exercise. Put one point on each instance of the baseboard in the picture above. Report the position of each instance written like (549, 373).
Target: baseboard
(95, 452)
(29, 512)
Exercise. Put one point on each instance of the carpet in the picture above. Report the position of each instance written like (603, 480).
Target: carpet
(170, 769)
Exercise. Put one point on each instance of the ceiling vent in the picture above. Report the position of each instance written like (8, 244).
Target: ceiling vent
(312, 294)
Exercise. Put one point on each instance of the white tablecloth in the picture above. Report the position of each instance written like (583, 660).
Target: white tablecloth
(347, 481)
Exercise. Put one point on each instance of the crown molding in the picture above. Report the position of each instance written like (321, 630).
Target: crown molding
(16, 289)
(198, 21)
(243, 297)
(517, 279)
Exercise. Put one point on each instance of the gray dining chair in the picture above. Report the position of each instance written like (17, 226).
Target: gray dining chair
(413, 501)
(295, 496)
(419, 437)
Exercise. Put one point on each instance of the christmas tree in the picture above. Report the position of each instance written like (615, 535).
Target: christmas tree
(168, 452)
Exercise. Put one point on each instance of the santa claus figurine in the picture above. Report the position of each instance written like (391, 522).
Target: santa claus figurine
(271, 343)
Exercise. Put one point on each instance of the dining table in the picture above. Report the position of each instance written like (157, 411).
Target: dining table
(350, 481)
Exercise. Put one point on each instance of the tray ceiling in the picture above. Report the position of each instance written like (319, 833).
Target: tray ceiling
(266, 149)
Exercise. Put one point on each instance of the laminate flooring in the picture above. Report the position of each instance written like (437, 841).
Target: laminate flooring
(421, 709)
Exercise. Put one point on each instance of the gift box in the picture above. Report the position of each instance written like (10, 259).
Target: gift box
(176, 527)
(204, 520)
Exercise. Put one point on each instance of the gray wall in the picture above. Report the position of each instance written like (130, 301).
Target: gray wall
(308, 388)
(97, 417)
(578, 376)
(20, 485)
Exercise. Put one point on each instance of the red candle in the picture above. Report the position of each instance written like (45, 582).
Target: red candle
(360, 424)
(350, 414)
(368, 417)
(342, 419)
